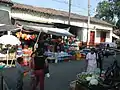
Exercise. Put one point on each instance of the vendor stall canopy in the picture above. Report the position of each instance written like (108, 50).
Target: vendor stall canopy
(4, 17)
(5, 22)
(53, 31)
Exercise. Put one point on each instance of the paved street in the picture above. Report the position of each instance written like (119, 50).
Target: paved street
(61, 74)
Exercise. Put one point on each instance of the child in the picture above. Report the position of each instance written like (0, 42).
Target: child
(21, 72)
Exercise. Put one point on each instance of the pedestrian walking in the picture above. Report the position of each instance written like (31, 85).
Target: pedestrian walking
(100, 58)
(91, 61)
(21, 72)
(40, 67)
(107, 50)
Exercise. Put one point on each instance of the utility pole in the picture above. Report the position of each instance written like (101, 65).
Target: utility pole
(69, 12)
(88, 23)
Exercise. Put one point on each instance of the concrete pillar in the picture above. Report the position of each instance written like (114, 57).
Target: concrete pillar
(84, 34)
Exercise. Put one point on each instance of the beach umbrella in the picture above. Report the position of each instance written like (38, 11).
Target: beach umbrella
(9, 40)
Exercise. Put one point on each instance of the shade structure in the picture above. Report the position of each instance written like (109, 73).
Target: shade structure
(9, 40)
(4, 27)
(53, 31)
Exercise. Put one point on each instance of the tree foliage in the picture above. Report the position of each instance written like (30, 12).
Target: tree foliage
(108, 11)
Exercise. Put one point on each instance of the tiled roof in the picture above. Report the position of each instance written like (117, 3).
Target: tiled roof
(57, 13)
(7, 1)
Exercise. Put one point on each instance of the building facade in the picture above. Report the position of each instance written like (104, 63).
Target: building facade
(99, 31)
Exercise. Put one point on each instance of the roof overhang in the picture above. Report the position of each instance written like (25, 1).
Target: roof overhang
(115, 36)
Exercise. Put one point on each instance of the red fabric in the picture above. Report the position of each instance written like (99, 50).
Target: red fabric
(39, 75)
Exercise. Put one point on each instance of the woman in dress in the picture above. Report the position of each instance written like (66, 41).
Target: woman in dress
(91, 61)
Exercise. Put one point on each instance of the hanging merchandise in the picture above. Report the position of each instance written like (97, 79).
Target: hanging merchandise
(33, 37)
(28, 37)
(22, 36)
(18, 35)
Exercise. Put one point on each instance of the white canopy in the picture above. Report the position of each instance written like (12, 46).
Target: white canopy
(54, 31)
(9, 40)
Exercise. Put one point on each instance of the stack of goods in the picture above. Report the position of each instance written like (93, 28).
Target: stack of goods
(78, 56)
(25, 36)
(63, 56)
(89, 81)
(109, 80)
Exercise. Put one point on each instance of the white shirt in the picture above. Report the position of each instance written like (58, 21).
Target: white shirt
(91, 58)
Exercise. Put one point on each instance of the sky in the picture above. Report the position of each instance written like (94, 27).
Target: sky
(78, 6)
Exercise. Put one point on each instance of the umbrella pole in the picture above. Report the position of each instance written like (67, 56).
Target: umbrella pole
(7, 56)
(37, 40)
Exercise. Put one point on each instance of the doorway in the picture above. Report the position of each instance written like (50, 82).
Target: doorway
(92, 37)
(103, 37)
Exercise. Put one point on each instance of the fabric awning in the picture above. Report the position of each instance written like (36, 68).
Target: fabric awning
(4, 27)
(53, 31)
(4, 17)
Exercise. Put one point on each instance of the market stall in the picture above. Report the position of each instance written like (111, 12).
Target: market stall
(7, 46)
(37, 34)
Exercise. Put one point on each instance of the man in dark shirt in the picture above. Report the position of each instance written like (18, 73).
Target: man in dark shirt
(100, 57)
(38, 65)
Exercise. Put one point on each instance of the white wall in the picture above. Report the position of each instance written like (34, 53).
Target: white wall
(97, 37)
(56, 19)
(80, 34)
(109, 36)
(84, 31)
(37, 17)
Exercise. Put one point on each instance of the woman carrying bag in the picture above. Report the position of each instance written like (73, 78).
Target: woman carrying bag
(39, 67)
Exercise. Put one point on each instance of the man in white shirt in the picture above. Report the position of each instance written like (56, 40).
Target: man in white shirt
(91, 61)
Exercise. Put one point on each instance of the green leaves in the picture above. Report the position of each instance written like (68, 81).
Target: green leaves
(108, 11)
(105, 11)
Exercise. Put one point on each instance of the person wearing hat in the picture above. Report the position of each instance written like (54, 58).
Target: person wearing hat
(91, 61)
